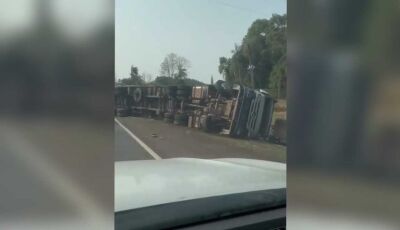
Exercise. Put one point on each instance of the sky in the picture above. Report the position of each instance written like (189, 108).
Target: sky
(199, 30)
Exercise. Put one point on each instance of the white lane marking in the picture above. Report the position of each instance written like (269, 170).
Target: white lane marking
(140, 142)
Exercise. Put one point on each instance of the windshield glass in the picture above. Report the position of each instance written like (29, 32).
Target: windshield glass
(200, 106)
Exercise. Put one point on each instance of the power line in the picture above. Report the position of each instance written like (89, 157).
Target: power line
(236, 6)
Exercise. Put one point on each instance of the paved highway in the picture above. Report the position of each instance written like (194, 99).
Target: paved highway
(126, 148)
(139, 138)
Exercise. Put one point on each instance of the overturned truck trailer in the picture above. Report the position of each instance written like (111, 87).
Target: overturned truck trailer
(235, 110)
(238, 111)
(149, 100)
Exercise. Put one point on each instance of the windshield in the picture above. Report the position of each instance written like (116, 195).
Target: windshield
(200, 111)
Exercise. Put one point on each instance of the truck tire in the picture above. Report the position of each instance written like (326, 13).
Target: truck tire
(204, 123)
(168, 120)
(137, 95)
(210, 124)
(181, 119)
(168, 117)
(122, 112)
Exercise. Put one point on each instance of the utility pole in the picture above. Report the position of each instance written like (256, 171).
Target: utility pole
(251, 68)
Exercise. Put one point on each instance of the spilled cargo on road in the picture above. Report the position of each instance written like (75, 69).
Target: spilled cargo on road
(233, 110)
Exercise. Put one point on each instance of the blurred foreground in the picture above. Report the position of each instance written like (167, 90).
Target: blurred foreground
(344, 115)
(56, 136)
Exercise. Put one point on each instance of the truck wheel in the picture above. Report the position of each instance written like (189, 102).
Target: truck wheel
(180, 119)
(137, 95)
(205, 123)
(122, 112)
(169, 115)
(168, 120)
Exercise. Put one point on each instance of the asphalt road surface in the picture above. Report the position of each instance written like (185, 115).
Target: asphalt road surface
(171, 141)
(126, 148)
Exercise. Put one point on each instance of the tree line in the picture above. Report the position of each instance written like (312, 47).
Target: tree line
(173, 71)
(260, 60)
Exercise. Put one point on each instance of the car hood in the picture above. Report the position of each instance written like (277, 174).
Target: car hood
(152, 182)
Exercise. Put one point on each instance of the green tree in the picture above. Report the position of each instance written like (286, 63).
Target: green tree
(174, 66)
(260, 60)
(166, 81)
(147, 77)
(134, 72)
(224, 68)
(182, 73)
(277, 79)
(135, 78)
